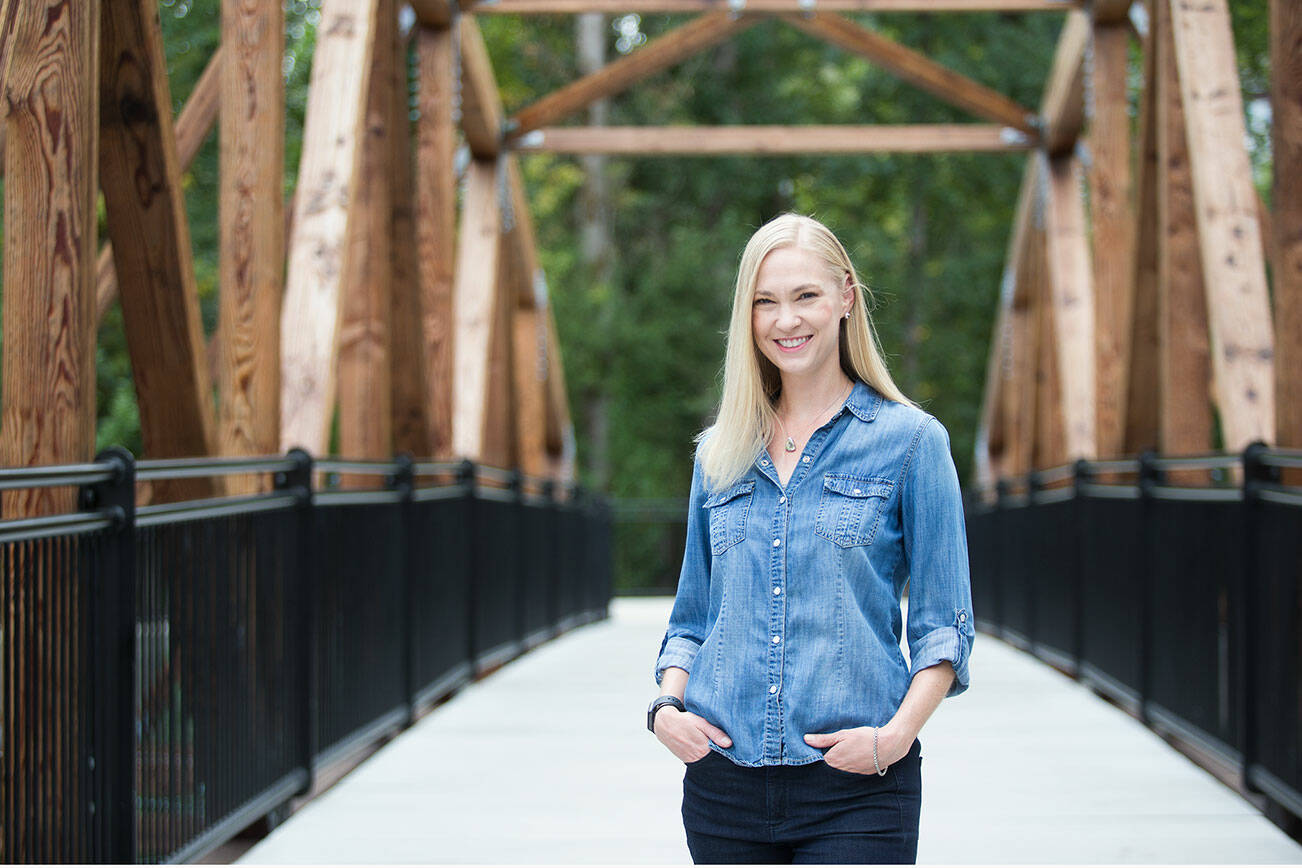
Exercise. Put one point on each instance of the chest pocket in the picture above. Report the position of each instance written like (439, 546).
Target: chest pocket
(851, 508)
(728, 512)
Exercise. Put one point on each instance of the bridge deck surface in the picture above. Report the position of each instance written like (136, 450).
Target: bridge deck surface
(548, 761)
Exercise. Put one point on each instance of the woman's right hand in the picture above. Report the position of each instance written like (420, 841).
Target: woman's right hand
(687, 735)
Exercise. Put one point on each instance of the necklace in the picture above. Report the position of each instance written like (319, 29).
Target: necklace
(790, 445)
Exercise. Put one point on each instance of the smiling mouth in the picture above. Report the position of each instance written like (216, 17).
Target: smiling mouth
(793, 343)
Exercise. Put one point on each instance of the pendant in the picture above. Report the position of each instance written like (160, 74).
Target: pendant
(791, 445)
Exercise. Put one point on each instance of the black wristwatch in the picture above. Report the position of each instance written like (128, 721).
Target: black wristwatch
(658, 703)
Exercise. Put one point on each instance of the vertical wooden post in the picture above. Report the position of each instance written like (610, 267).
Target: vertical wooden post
(1229, 234)
(1286, 102)
(436, 214)
(1142, 350)
(1110, 219)
(1048, 444)
(409, 387)
(365, 396)
(1025, 343)
(51, 182)
(500, 446)
(252, 221)
(1185, 419)
(475, 300)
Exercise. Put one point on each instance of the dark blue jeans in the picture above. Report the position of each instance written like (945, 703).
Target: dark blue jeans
(802, 814)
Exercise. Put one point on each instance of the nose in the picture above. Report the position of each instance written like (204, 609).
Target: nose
(788, 318)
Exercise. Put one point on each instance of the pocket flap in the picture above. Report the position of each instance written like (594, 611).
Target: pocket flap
(857, 486)
(746, 486)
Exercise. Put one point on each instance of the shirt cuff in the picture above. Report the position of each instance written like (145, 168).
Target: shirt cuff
(678, 651)
(943, 643)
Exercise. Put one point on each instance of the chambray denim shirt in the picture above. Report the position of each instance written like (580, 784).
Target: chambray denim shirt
(788, 611)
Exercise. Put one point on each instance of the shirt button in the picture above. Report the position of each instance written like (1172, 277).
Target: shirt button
(776, 543)
(773, 688)
(782, 499)
(805, 459)
(962, 616)
(777, 639)
(777, 591)
(764, 462)
(857, 491)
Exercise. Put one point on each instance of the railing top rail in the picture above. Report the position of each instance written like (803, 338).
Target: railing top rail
(1049, 475)
(1205, 461)
(186, 468)
(50, 476)
(1279, 457)
(356, 465)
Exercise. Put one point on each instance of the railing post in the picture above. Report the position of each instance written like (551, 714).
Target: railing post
(1033, 585)
(1082, 475)
(1255, 472)
(403, 481)
(1149, 477)
(552, 530)
(519, 558)
(298, 482)
(111, 765)
(466, 479)
(997, 573)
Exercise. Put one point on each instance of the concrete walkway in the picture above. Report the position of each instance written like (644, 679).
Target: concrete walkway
(549, 761)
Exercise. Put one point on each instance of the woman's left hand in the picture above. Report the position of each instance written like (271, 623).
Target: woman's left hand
(851, 750)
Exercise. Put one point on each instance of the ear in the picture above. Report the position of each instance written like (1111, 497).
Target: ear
(847, 291)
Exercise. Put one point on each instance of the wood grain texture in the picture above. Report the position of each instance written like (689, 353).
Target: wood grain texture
(1142, 369)
(474, 307)
(530, 372)
(560, 427)
(192, 127)
(432, 13)
(318, 248)
(1071, 289)
(918, 69)
(140, 175)
(660, 53)
(436, 228)
(618, 7)
(1047, 440)
(1062, 109)
(481, 106)
(500, 446)
(758, 139)
(1230, 237)
(252, 224)
(1286, 103)
(409, 387)
(10, 13)
(522, 239)
(1112, 230)
(1184, 363)
(366, 291)
(51, 181)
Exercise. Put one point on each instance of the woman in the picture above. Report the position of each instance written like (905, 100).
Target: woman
(817, 494)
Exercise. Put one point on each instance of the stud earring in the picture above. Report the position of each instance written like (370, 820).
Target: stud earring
(847, 314)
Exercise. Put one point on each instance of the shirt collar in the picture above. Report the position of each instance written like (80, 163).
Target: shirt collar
(864, 401)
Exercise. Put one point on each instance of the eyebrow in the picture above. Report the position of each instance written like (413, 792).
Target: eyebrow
(801, 288)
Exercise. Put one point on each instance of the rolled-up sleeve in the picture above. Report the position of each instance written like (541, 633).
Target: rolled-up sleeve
(687, 620)
(940, 624)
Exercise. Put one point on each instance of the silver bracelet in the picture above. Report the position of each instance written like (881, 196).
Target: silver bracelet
(880, 771)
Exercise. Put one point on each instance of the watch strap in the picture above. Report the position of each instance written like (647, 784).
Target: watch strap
(658, 703)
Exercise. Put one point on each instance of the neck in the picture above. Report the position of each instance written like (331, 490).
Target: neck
(805, 397)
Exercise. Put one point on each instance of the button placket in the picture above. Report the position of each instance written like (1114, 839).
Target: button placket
(772, 737)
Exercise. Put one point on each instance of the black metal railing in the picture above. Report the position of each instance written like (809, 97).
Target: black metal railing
(1172, 585)
(171, 673)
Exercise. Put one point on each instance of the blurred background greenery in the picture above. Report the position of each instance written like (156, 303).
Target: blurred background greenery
(641, 316)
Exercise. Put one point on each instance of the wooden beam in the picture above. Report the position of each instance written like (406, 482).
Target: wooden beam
(1184, 366)
(366, 290)
(1047, 442)
(436, 228)
(1286, 102)
(333, 129)
(52, 107)
(774, 140)
(474, 306)
(530, 356)
(1112, 230)
(660, 53)
(481, 106)
(1062, 110)
(432, 13)
(1142, 365)
(140, 175)
(252, 225)
(10, 17)
(500, 444)
(918, 70)
(1110, 11)
(560, 428)
(1025, 346)
(192, 127)
(1237, 299)
(521, 238)
(1072, 292)
(409, 387)
(617, 7)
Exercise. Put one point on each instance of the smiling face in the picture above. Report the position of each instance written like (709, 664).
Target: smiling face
(797, 311)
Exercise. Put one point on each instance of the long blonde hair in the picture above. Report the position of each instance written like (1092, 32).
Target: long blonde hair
(751, 383)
